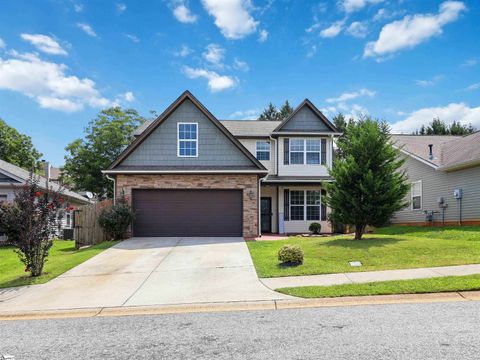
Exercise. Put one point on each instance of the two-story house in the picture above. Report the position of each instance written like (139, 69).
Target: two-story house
(189, 174)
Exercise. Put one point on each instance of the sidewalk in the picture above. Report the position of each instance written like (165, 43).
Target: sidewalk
(370, 276)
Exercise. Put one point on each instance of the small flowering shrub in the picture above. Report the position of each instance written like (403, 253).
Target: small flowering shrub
(30, 223)
(115, 219)
(290, 255)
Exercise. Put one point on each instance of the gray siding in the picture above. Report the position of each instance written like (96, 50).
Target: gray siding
(305, 120)
(214, 148)
(437, 183)
(6, 179)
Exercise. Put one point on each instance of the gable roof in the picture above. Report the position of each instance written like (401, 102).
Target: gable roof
(449, 152)
(22, 175)
(250, 128)
(160, 119)
(307, 103)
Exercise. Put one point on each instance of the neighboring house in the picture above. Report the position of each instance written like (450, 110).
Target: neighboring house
(444, 174)
(12, 176)
(189, 174)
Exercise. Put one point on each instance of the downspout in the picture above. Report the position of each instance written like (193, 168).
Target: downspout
(114, 188)
(259, 204)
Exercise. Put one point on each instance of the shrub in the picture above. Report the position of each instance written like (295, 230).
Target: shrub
(315, 228)
(115, 219)
(30, 222)
(290, 254)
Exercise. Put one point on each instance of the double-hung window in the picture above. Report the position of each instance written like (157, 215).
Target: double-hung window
(305, 205)
(305, 151)
(416, 190)
(187, 138)
(263, 150)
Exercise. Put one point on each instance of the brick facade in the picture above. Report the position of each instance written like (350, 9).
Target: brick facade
(248, 183)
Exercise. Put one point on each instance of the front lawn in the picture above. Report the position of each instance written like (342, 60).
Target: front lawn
(63, 256)
(417, 286)
(396, 247)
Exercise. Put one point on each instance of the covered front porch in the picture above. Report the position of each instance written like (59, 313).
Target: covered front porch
(289, 206)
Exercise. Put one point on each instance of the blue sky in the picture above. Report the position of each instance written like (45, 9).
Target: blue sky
(404, 61)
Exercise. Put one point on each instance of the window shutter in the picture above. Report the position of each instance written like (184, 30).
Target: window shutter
(324, 152)
(286, 151)
(323, 210)
(286, 204)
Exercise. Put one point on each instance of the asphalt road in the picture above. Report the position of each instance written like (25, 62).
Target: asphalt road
(412, 331)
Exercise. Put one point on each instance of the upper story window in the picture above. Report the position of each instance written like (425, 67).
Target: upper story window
(416, 190)
(263, 150)
(187, 139)
(308, 151)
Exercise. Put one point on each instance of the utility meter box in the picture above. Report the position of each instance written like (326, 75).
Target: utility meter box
(457, 193)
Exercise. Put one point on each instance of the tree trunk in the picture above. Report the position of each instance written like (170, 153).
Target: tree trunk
(359, 229)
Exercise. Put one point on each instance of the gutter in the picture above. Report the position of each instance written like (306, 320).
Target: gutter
(459, 166)
(114, 188)
(184, 171)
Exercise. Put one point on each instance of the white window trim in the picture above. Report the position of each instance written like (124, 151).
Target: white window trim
(421, 195)
(193, 140)
(269, 149)
(305, 151)
(305, 205)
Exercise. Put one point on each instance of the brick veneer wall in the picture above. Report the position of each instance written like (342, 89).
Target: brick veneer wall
(248, 183)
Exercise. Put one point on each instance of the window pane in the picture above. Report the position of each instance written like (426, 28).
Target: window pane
(313, 145)
(417, 202)
(263, 146)
(188, 148)
(296, 145)
(313, 212)
(416, 188)
(313, 158)
(187, 131)
(296, 197)
(263, 155)
(313, 197)
(296, 213)
(296, 157)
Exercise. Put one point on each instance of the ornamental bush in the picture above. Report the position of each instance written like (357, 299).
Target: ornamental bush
(315, 228)
(290, 255)
(30, 223)
(115, 219)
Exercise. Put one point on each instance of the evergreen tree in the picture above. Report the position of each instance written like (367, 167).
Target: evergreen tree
(340, 122)
(269, 114)
(440, 127)
(437, 127)
(369, 186)
(286, 110)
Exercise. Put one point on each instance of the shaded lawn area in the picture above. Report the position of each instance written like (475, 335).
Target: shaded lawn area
(417, 286)
(395, 247)
(63, 256)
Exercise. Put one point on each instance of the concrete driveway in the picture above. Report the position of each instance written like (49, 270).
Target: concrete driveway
(151, 271)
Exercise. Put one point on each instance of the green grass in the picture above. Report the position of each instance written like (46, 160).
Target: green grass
(417, 286)
(400, 247)
(63, 256)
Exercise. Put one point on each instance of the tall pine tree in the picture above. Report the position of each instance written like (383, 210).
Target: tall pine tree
(369, 186)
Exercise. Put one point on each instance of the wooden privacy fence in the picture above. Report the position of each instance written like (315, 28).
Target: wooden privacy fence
(87, 230)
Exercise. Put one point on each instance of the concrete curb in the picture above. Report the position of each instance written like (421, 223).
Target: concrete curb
(243, 306)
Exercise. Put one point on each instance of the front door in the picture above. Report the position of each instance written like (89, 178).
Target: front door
(266, 207)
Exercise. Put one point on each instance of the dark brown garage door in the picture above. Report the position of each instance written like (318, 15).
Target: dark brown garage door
(187, 212)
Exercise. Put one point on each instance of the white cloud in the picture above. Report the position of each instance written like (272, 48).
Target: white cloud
(469, 63)
(183, 14)
(48, 84)
(240, 65)
(473, 87)
(128, 96)
(333, 30)
(232, 17)
(245, 114)
(214, 54)
(216, 82)
(312, 51)
(429, 82)
(385, 14)
(2, 43)
(350, 6)
(184, 51)
(357, 29)
(413, 30)
(452, 112)
(78, 7)
(346, 96)
(263, 35)
(121, 7)
(87, 29)
(132, 37)
(44, 43)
